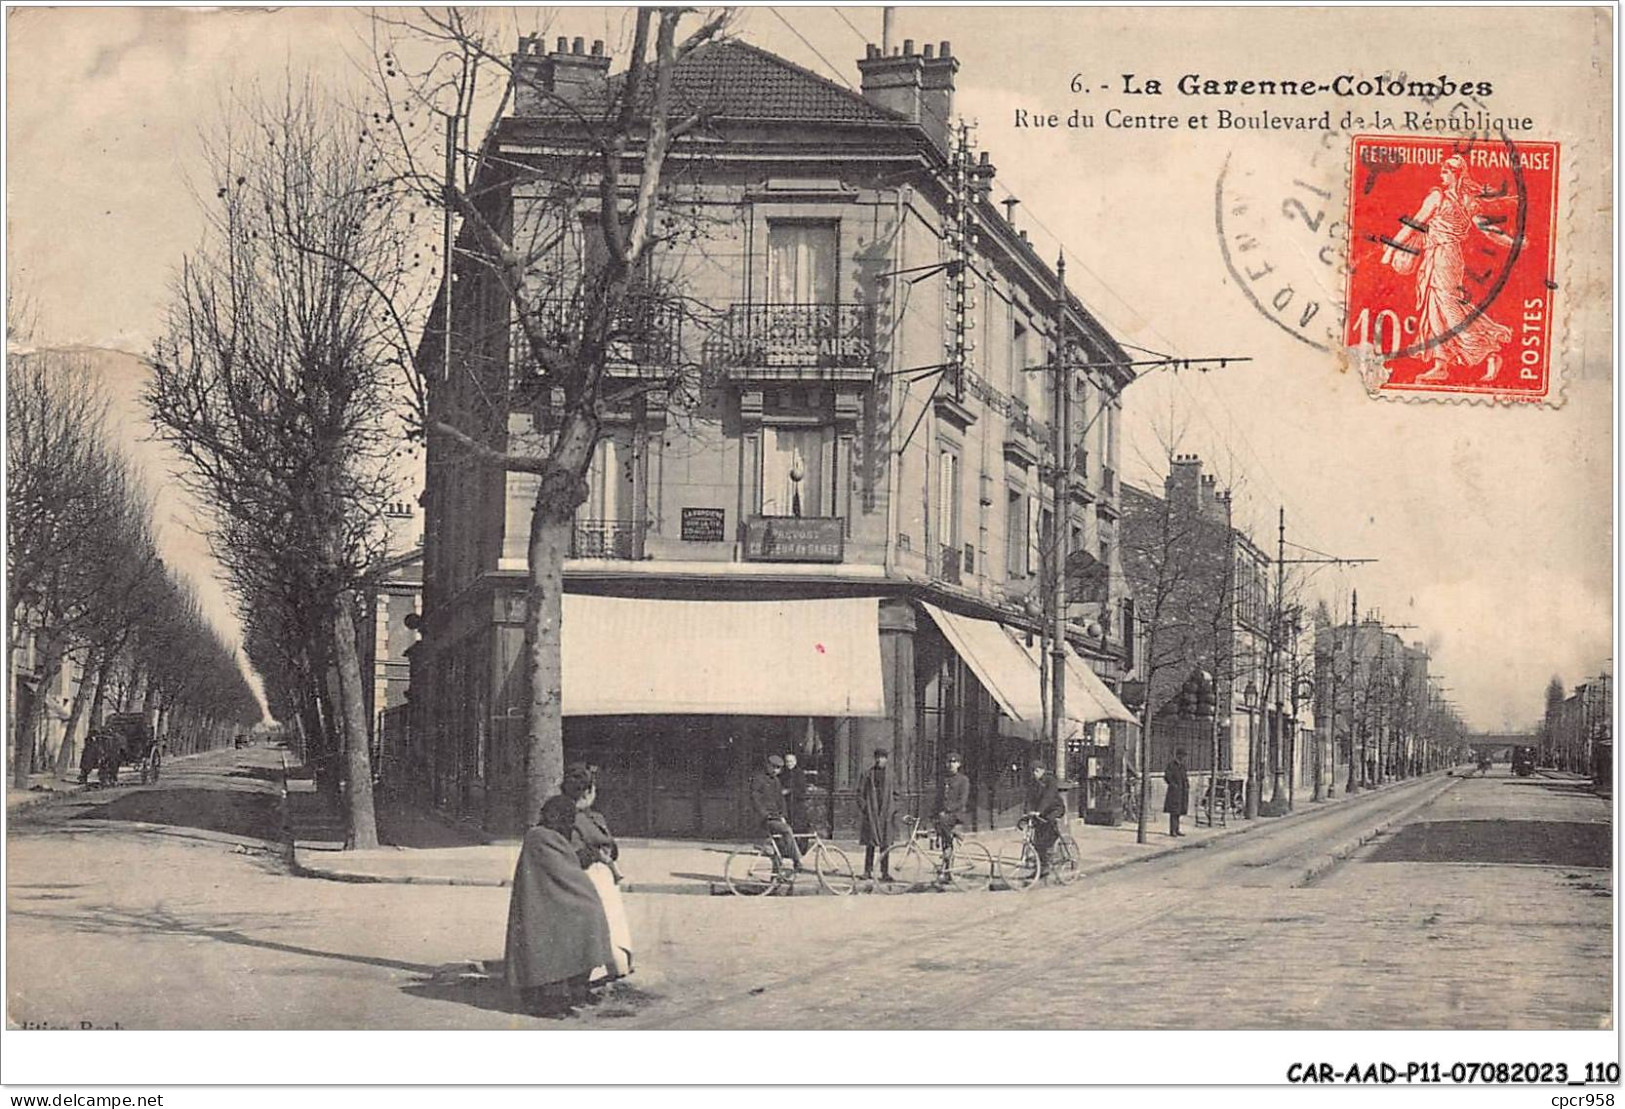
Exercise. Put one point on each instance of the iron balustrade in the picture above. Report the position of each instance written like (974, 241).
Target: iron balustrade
(647, 332)
(800, 336)
(1021, 419)
(614, 539)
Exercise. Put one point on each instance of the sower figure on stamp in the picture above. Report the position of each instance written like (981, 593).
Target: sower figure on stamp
(1446, 328)
(1179, 791)
(877, 813)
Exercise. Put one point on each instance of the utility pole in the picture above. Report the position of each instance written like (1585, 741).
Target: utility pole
(1280, 800)
(1060, 541)
(1355, 780)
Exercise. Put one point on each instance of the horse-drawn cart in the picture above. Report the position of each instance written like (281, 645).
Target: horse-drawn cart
(124, 739)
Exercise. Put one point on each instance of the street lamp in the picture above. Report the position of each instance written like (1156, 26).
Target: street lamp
(1249, 698)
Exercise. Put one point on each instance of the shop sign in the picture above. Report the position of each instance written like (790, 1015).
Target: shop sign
(704, 525)
(795, 539)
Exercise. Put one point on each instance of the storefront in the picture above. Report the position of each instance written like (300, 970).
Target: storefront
(679, 701)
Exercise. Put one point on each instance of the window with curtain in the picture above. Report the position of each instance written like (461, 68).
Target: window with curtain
(1015, 534)
(948, 498)
(1018, 359)
(797, 472)
(801, 263)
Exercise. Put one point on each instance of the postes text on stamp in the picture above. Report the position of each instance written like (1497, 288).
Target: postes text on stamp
(1451, 257)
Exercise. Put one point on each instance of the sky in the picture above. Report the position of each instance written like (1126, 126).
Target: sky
(1491, 526)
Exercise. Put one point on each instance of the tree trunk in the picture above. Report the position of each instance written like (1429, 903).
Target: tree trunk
(81, 698)
(1144, 732)
(361, 819)
(23, 747)
(544, 625)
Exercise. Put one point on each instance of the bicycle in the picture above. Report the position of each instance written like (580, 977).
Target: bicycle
(961, 863)
(1020, 867)
(762, 869)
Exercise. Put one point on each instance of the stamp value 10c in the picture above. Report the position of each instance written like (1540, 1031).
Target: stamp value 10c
(1452, 244)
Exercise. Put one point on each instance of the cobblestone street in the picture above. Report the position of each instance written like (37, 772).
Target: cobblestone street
(172, 908)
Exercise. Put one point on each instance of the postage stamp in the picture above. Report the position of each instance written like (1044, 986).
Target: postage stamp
(1451, 250)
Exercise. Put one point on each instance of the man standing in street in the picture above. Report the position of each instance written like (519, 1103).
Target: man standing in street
(793, 785)
(768, 804)
(877, 811)
(952, 802)
(1179, 791)
(1044, 800)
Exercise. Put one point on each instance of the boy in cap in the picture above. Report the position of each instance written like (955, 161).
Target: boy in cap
(1044, 801)
(952, 802)
(768, 804)
(877, 811)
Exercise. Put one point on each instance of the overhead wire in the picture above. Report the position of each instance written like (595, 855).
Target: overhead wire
(1079, 259)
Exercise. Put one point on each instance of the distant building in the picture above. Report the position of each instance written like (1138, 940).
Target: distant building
(392, 604)
(835, 543)
(1200, 589)
(1373, 694)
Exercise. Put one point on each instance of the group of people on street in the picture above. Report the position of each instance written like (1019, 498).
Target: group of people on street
(778, 799)
(567, 929)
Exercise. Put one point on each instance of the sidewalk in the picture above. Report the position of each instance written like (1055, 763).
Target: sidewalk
(41, 787)
(48, 787)
(689, 867)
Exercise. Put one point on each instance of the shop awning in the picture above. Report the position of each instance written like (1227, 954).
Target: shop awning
(1009, 669)
(644, 656)
(1000, 663)
(1088, 697)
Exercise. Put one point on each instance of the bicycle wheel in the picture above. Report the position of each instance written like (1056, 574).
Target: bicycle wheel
(834, 870)
(1019, 866)
(908, 867)
(750, 873)
(1063, 860)
(971, 867)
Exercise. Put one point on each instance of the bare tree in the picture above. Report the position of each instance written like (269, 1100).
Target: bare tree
(274, 379)
(603, 171)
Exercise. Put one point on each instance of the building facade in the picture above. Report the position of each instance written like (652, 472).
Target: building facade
(1201, 601)
(835, 535)
(1373, 690)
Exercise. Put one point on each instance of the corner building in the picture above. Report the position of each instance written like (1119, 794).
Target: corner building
(829, 542)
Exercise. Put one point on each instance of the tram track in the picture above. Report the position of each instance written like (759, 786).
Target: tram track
(1109, 905)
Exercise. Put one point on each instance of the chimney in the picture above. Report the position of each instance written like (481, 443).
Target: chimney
(892, 81)
(1184, 482)
(937, 96)
(567, 73)
(1207, 499)
(981, 176)
(400, 521)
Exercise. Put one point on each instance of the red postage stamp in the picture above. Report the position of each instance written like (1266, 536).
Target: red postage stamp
(1451, 250)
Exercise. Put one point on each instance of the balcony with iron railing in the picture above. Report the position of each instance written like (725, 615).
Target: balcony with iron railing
(796, 342)
(607, 539)
(646, 336)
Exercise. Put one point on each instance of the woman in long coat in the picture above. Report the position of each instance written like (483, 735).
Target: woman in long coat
(1179, 791)
(557, 932)
(597, 851)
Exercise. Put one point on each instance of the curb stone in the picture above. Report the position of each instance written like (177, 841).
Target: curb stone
(304, 870)
(1341, 853)
(1263, 822)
